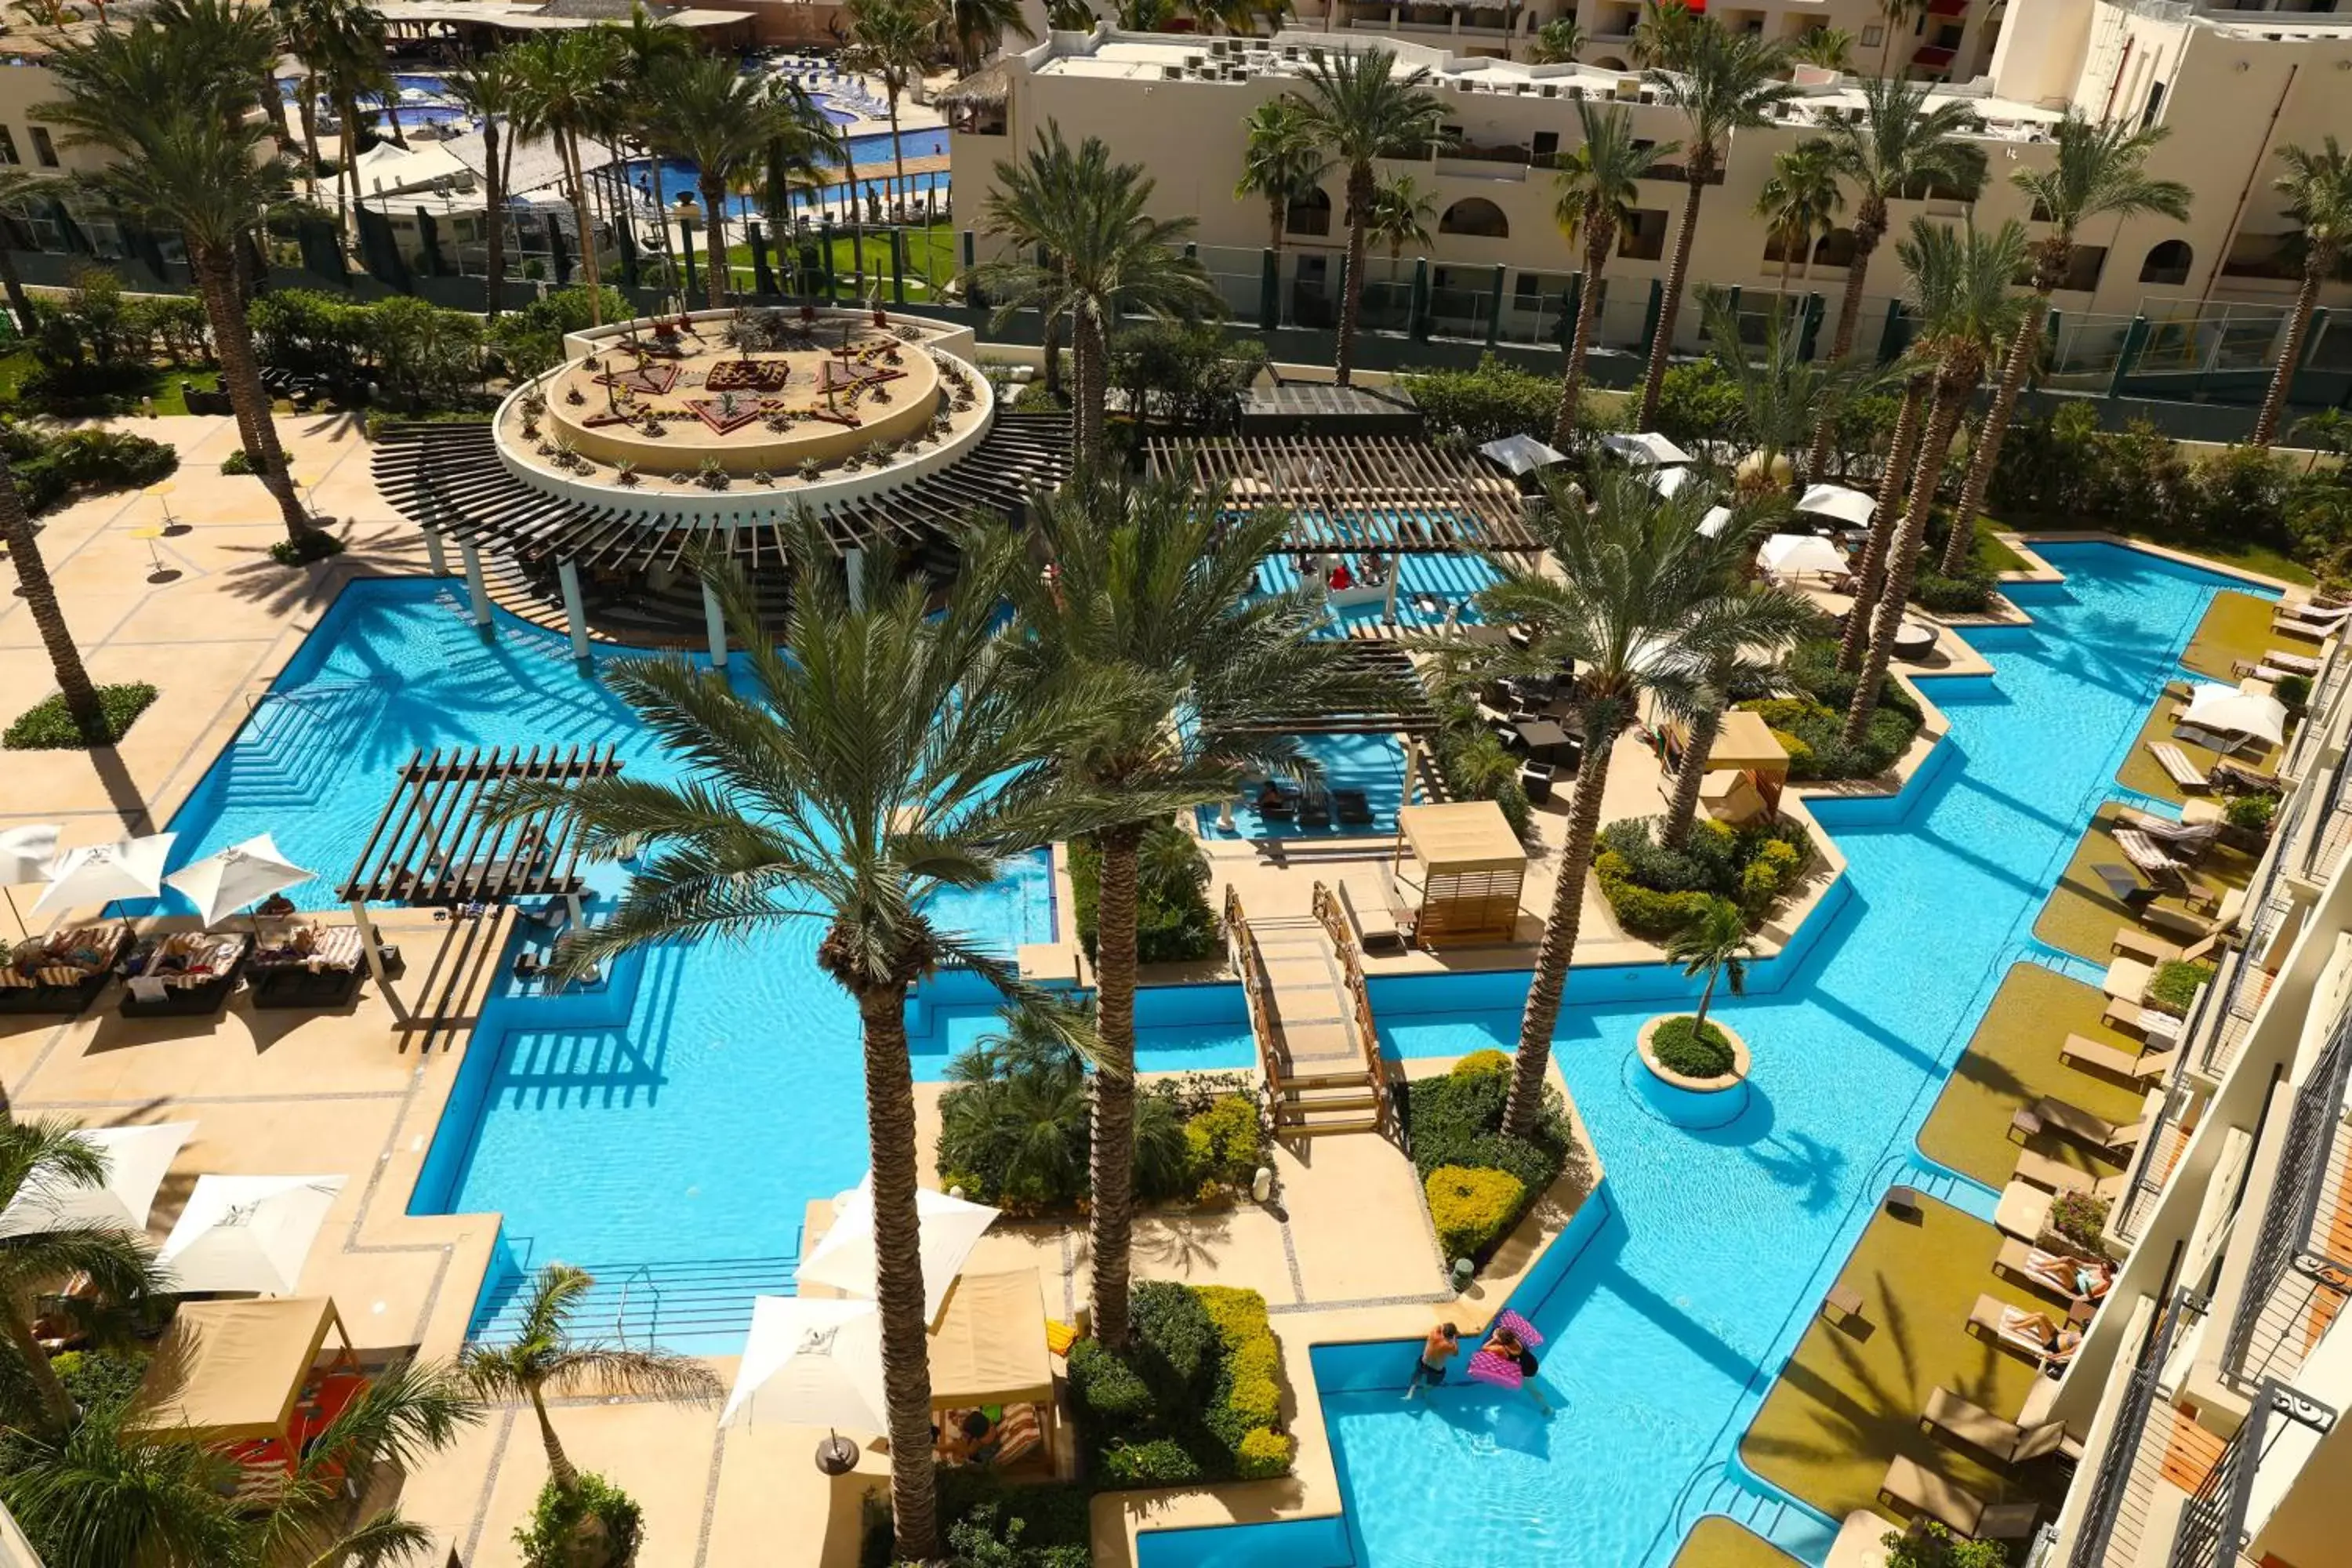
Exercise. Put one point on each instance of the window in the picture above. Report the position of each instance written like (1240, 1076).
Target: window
(1546, 145)
(2083, 268)
(1835, 248)
(1644, 238)
(1947, 37)
(1533, 289)
(2167, 262)
(1872, 36)
(1475, 217)
(1309, 214)
(44, 149)
(8, 146)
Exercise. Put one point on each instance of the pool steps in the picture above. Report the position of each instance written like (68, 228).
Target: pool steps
(680, 1305)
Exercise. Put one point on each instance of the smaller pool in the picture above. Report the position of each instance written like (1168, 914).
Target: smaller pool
(1372, 763)
(1429, 587)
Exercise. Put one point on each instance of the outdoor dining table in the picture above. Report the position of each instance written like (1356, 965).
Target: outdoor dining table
(1543, 739)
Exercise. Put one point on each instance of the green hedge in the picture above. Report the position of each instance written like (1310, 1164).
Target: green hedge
(1472, 1208)
(1656, 891)
(1683, 1045)
(992, 1524)
(2174, 986)
(1173, 921)
(48, 726)
(1813, 734)
(1494, 399)
(1195, 1397)
(1454, 1121)
(53, 468)
(1970, 593)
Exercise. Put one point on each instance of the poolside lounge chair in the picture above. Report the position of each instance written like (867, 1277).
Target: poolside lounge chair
(309, 966)
(2072, 1121)
(2034, 1335)
(2134, 1066)
(1375, 932)
(2224, 741)
(2057, 1176)
(2131, 942)
(2004, 1439)
(2309, 620)
(62, 973)
(1314, 810)
(2151, 860)
(2177, 766)
(1909, 1485)
(2128, 978)
(2123, 884)
(1353, 807)
(2183, 840)
(2241, 780)
(2038, 1268)
(2023, 1211)
(189, 974)
(2292, 663)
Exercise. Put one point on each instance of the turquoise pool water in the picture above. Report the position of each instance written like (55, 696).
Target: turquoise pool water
(1372, 763)
(1711, 1248)
(1442, 581)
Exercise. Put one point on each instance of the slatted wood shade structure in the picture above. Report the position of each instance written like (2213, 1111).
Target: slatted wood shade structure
(437, 843)
(1395, 494)
(449, 479)
(1411, 713)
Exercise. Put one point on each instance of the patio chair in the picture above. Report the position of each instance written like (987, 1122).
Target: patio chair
(2307, 622)
(2004, 1439)
(2022, 1331)
(2144, 1067)
(1535, 782)
(61, 973)
(2070, 1121)
(2131, 942)
(2190, 927)
(2177, 766)
(2053, 1175)
(2222, 742)
(1375, 932)
(2301, 664)
(1911, 1486)
(2240, 780)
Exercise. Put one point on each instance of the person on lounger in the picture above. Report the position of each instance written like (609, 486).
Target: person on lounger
(1437, 1348)
(2093, 1280)
(1511, 1347)
(2058, 1344)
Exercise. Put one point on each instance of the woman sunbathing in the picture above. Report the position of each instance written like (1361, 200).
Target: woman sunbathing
(2057, 1344)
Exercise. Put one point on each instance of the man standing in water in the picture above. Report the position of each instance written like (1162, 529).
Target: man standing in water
(1437, 1349)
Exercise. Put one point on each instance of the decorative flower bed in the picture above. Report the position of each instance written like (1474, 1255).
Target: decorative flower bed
(1683, 1098)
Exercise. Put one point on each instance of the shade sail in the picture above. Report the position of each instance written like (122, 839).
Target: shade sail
(1745, 742)
(136, 1159)
(1791, 554)
(1522, 454)
(812, 1361)
(1461, 836)
(990, 1346)
(101, 873)
(1647, 446)
(25, 853)
(248, 1232)
(1838, 501)
(843, 1259)
(222, 883)
(230, 1370)
(2212, 706)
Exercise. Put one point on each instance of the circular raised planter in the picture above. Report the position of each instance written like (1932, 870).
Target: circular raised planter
(1695, 1102)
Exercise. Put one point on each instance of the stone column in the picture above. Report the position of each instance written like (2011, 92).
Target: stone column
(715, 618)
(436, 557)
(575, 612)
(478, 594)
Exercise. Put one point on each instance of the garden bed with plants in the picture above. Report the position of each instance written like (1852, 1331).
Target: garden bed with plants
(1173, 921)
(1479, 1180)
(1194, 1397)
(1810, 723)
(1691, 1049)
(991, 1524)
(1656, 893)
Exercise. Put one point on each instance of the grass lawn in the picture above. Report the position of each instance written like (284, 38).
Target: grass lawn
(2011, 1061)
(2082, 916)
(1993, 556)
(1717, 1542)
(1848, 1400)
(2236, 627)
(932, 262)
(18, 363)
(2245, 555)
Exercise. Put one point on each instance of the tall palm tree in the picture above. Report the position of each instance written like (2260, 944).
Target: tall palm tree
(1400, 215)
(1898, 13)
(1780, 391)
(1104, 256)
(646, 46)
(891, 40)
(799, 154)
(24, 546)
(2096, 172)
(1897, 144)
(1887, 515)
(881, 754)
(2318, 189)
(1801, 201)
(1632, 575)
(1598, 189)
(1153, 588)
(1558, 42)
(299, 23)
(488, 87)
(1831, 49)
(16, 185)
(564, 93)
(1667, 31)
(45, 1160)
(1715, 943)
(1960, 278)
(543, 1358)
(1281, 161)
(1361, 108)
(976, 28)
(706, 112)
(1722, 82)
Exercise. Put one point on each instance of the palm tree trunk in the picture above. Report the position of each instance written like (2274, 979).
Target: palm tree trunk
(1094, 384)
(1902, 567)
(307, 110)
(1682, 811)
(57, 1404)
(2024, 348)
(1662, 347)
(2317, 266)
(1580, 344)
(48, 616)
(898, 1271)
(1558, 946)
(570, 153)
(856, 220)
(1112, 1223)
(347, 108)
(1277, 209)
(1901, 453)
(1051, 349)
(899, 154)
(495, 190)
(714, 237)
(559, 1468)
(20, 305)
(1865, 240)
(241, 378)
(1699, 1019)
(1351, 287)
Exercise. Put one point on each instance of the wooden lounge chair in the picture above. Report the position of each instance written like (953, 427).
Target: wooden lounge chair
(2052, 1175)
(2073, 1122)
(2018, 1329)
(2037, 1269)
(2301, 664)
(2142, 1067)
(1377, 932)
(2131, 942)
(2177, 766)
(2004, 1439)
(1910, 1485)
(61, 973)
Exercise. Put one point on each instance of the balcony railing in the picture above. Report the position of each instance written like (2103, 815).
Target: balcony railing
(2296, 1282)
(2158, 1152)
(2213, 1529)
(2118, 1500)
(2319, 713)
(2215, 1037)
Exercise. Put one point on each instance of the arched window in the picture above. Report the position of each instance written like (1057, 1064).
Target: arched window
(1309, 213)
(1609, 63)
(2167, 263)
(1834, 248)
(1476, 215)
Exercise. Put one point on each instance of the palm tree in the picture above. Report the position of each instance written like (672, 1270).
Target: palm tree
(1666, 32)
(1070, 15)
(1598, 189)
(1722, 82)
(1106, 256)
(2096, 172)
(881, 754)
(488, 87)
(1802, 200)
(16, 185)
(24, 548)
(544, 1358)
(801, 152)
(1897, 144)
(1359, 108)
(976, 28)
(646, 47)
(2329, 430)
(1885, 518)
(2318, 189)
(564, 93)
(1780, 391)
(1153, 586)
(1716, 944)
(891, 39)
(1960, 279)
(1400, 215)
(1634, 575)
(300, 23)
(1558, 42)
(1281, 161)
(1898, 13)
(720, 120)
(1831, 49)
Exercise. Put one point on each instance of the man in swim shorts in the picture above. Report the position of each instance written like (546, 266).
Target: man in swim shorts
(1437, 1349)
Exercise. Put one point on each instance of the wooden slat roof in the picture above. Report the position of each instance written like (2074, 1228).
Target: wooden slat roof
(1412, 713)
(437, 844)
(1393, 494)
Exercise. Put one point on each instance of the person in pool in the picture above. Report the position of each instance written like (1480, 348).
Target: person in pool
(1437, 1348)
(1511, 1347)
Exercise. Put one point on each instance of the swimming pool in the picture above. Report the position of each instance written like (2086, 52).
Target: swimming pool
(1709, 1249)
(877, 169)
(1372, 763)
(1428, 587)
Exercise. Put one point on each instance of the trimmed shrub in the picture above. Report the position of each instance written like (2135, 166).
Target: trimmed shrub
(239, 462)
(2079, 1218)
(1644, 911)
(48, 726)
(1173, 922)
(550, 1539)
(1683, 1045)
(1484, 404)
(1931, 1545)
(1482, 1064)
(1224, 1144)
(2294, 691)
(1159, 1462)
(1472, 1208)
(51, 470)
(1196, 1397)
(1454, 1122)
(2252, 812)
(2174, 986)
(1656, 891)
(1969, 594)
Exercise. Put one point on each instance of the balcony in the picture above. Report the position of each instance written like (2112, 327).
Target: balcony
(2218, 1524)
(2151, 1461)
(2159, 1152)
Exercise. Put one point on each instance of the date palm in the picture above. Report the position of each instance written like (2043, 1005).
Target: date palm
(1715, 943)
(2318, 189)
(891, 39)
(2098, 170)
(543, 1358)
(1666, 32)
(564, 83)
(1887, 515)
(1898, 13)
(1831, 49)
(1153, 589)
(976, 28)
(799, 154)
(1897, 145)
(16, 185)
(1598, 190)
(706, 112)
(1960, 279)
(1400, 215)
(488, 87)
(1558, 42)
(1801, 201)
(645, 45)
(1361, 108)
(1281, 161)
(1780, 391)
(880, 755)
(1631, 575)
(1722, 82)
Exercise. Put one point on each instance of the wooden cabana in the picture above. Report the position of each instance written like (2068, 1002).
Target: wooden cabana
(989, 1349)
(1473, 866)
(1747, 769)
(248, 1375)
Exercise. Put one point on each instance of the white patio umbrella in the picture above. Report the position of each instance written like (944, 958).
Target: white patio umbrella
(25, 857)
(1522, 454)
(223, 882)
(1790, 554)
(1666, 481)
(2212, 706)
(1647, 446)
(1712, 525)
(843, 1259)
(1848, 505)
(101, 873)
(136, 1158)
(811, 1362)
(248, 1232)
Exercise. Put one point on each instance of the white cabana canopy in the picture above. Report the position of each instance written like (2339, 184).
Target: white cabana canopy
(844, 1257)
(2212, 706)
(101, 873)
(1648, 447)
(1791, 554)
(1666, 481)
(25, 856)
(1836, 501)
(1522, 454)
(248, 1232)
(811, 1362)
(1717, 518)
(136, 1159)
(222, 883)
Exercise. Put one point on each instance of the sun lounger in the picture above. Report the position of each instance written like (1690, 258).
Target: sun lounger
(2037, 1269)
(312, 966)
(2182, 840)
(2239, 779)
(60, 974)
(2141, 1067)
(2177, 766)
(1375, 933)
(2072, 1121)
(2019, 1329)
(2123, 884)
(2304, 621)
(2131, 942)
(2128, 978)
(1910, 1485)
(2004, 1439)
(2221, 741)
(2301, 664)
(187, 975)
(2051, 1175)
(2149, 858)
(1353, 808)
(1314, 810)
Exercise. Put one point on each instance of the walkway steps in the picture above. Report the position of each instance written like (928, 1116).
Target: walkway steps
(640, 1303)
(1769, 1512)
(1321, 1068)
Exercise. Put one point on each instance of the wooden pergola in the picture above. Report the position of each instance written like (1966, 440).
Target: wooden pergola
(1394, 494)
(1411, 712)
